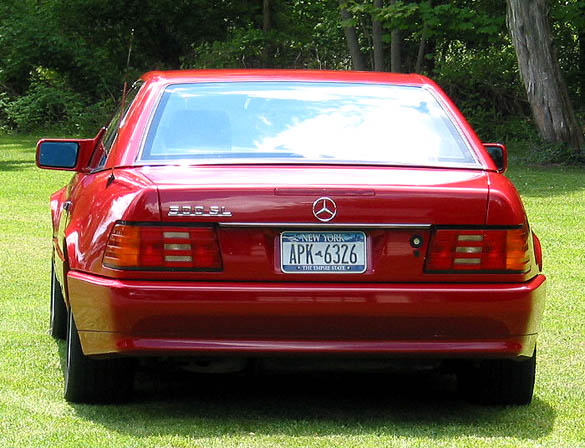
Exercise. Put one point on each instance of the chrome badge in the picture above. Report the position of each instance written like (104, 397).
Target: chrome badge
(324, 209)
(198, 210)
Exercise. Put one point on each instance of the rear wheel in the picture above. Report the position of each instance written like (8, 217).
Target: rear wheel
(58, 308)
(499, 381)
(94, 381)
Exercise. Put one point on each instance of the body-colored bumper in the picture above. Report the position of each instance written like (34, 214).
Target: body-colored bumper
(443, 320)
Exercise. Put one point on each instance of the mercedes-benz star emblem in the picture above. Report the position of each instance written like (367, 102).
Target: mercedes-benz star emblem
(324, 209)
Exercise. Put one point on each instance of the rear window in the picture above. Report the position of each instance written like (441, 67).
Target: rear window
(303, 122)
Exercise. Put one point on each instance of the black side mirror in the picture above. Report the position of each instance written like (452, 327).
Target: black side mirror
(499, 155)
(58, 155)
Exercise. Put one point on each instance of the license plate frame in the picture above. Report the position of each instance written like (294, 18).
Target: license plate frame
(320, 240)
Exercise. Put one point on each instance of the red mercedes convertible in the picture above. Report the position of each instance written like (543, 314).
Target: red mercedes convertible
(229, 217)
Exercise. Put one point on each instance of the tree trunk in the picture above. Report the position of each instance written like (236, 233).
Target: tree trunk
(539, 68)
(421, 51)
(357, 58)
(377, 36)
(395, 48)
(266, 22)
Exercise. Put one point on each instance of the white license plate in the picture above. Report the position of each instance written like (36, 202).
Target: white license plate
(323, 252)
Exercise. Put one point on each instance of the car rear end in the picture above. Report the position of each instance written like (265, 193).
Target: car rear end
(305, 241)
(272, 278)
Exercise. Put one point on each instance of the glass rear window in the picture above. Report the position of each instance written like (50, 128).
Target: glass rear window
(303, 122)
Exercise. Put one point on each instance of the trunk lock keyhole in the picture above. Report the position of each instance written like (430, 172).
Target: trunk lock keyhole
(416, 241)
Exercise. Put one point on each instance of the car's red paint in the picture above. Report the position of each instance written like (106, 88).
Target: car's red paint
(504, 205)
(251, 307)
(537, 250)
(96, 206)
(286, 194)
(390, 317)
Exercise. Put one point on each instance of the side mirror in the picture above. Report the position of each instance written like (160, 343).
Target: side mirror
(57, 155)
(66, 154)
(499, 155)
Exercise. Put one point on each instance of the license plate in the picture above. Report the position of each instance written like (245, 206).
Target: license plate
(323, 252)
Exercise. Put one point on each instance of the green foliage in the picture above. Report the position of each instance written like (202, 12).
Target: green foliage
(4, 102)
(244, 48)
(536, 152)
(50, 104)
(47, 102)
(397, 15)
(568, 21)
(84, 44)
(478, 25)
(485, 85)
(304, 34)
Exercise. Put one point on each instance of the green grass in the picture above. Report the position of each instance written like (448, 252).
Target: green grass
(180, 411)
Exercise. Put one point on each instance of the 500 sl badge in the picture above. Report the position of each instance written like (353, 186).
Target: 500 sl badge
(198, 210)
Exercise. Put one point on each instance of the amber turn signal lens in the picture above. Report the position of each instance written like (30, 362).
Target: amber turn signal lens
(517, 258)
(123, 247)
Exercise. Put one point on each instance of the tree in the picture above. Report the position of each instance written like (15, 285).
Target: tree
(377, 38)
(539, 68)
(62, 64)
(353, 45)
(395, 48)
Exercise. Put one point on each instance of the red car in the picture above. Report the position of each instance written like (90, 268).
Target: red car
(228, 216)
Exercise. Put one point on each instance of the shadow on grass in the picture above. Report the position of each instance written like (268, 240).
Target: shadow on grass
(16, 165)
(8, 141)
(407, 405)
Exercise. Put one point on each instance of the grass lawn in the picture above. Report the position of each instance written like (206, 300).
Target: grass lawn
(172, 410)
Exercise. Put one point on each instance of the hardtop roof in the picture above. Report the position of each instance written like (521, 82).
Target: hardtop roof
(231, 75)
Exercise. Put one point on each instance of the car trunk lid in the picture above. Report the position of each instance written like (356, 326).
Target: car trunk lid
(253, 206)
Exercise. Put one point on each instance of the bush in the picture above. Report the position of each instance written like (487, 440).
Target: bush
(245, 49)
(4, 101)
(50, 105)
(486, 85)
(94, 116)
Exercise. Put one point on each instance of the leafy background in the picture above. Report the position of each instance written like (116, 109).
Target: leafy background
(63, 64)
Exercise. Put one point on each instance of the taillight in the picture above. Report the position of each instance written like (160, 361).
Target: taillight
(486, 250)
(153, 247)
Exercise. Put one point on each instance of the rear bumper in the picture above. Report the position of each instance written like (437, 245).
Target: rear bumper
(439, 320)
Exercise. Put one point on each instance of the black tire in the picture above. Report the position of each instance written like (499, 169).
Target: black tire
(95, 381)
(499, 381)
(58, 324)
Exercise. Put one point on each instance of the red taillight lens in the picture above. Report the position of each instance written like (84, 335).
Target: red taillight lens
(537, 251)
(479, 250)
(159, 247)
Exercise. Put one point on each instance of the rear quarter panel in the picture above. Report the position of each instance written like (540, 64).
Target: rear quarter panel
(505, 206)
(97, 203)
